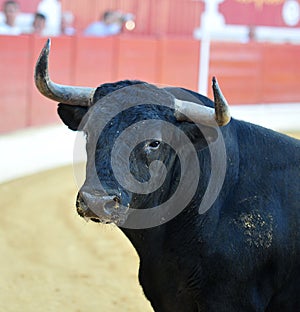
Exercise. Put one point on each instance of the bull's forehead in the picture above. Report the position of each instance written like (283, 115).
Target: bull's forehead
(118, 110)
(102, 112)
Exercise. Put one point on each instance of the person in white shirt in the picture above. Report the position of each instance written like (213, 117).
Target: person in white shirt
(110, 24)
(67, 20)
(39, 24)
(11, 11)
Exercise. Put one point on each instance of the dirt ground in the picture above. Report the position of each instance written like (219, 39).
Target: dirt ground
(52, 260)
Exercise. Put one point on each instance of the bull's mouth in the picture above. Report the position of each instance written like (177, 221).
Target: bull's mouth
(101, 209)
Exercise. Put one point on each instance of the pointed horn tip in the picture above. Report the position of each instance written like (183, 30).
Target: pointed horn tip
(47, 44)
(222, 111)
(44, 52)
(41, 64)
(46, 49)
(215, 82)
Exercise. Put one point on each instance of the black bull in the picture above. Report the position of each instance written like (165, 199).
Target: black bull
(241, 252)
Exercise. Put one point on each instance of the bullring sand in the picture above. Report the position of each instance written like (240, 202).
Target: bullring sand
(52, 260)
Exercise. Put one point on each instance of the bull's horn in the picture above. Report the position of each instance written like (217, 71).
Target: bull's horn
(222, 113)
(65, 94)
(202, 114)
(189, 111)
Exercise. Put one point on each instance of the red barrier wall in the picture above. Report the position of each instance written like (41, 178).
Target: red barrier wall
(248, 73)
(14, 85)
(239, 69)
(178, 62)
(137, 58)
(280, 73)
(94, 60)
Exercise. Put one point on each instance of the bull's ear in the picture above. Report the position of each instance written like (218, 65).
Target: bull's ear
(71, 115)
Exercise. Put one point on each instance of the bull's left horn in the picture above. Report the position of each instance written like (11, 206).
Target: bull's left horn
(189, 111)
(222, 113)
(201, 114)
(65, 94)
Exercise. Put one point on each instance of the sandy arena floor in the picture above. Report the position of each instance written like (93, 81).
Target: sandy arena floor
(52, 260)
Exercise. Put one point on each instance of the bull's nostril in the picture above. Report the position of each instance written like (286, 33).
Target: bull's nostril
(80, 212)
(111, 205)
(95, 220)
(80, 205)
(116, 199)
(96, 207)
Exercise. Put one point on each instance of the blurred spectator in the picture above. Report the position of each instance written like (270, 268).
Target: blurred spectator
(67, 21)
(111, 23)
(39, 24)
(11, 11)
(52, 10)
(251, 33)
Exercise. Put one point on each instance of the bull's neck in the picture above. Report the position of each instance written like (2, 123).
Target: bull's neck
(145, 240)
(156, 243)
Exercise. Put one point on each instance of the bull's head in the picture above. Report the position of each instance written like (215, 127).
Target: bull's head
(114, 158)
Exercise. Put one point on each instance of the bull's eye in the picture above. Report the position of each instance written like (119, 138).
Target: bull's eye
(154, 144)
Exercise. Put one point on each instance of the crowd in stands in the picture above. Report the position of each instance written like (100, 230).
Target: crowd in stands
(49, 20)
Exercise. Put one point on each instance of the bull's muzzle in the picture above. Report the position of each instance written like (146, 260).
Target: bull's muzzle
(98, 208)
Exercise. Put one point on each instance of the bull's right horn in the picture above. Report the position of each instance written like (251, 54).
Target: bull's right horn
(71, 95)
